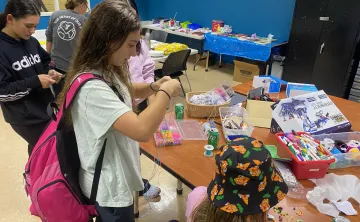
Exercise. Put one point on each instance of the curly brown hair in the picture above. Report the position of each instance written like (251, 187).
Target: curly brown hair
(208, 212)
(105, 31)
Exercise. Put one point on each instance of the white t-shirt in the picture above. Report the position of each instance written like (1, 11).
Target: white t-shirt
(94, 111)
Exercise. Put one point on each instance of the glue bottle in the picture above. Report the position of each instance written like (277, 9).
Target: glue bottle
(270, 37)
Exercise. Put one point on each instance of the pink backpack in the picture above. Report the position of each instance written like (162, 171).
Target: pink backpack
(51, 173)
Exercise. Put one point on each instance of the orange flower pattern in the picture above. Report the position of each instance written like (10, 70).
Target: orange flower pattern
(214, 191)
(243, 166)
(223, 166)
(221, 192)
(265, 206)
(224, 149)
(256, 144)
(280, 195)
(241, 180)
(255, 171)
(230, 208)
(262, 185)
(246, 178)
(240, 149)
(276, 177)
(257, 162)
(245, 198)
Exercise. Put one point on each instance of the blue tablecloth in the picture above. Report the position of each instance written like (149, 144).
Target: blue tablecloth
(234, 47)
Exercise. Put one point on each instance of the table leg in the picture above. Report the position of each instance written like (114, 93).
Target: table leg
(198, 60)
(136, 204)
(220, 61)
(207, 61)
(269, 68)
(179, 188)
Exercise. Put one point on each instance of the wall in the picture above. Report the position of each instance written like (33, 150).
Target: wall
(257, 16)
(44, 21)
(141, 4)
(2, 5)
(245, 16)
(93, 3)
(143, 9)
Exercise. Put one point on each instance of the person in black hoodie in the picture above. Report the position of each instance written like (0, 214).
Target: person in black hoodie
(24, 72)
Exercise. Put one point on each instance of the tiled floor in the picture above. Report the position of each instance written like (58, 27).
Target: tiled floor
(13, 155)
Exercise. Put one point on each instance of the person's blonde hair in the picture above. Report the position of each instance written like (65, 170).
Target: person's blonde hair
(208, 212)
(105, 31)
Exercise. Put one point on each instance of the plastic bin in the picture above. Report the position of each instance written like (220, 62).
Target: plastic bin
(162, 138)
(191, 130)
(306, 169)
(343, 160)
(230, 134)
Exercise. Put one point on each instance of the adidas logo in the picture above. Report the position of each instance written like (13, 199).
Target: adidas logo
(26, 62)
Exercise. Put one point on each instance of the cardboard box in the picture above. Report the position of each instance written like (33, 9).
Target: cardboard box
(296, 89)
(313, 113)
(259, 112)
(271, 84)
(245, 72)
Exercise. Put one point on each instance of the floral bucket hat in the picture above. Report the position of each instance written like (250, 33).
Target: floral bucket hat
(246, 180)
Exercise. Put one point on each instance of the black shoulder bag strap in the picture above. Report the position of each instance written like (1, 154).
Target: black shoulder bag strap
(100, 159)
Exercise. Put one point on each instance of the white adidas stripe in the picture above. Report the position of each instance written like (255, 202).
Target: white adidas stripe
(13, 97)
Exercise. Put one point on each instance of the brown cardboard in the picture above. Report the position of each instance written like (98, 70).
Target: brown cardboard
(244, 72)
(259, 112)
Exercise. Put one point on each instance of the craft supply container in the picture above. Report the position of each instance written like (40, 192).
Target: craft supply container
(197, 111)
(306, 169)
(343, 160)
(238, 111)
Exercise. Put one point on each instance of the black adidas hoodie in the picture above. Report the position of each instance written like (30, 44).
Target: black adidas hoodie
(22, 99)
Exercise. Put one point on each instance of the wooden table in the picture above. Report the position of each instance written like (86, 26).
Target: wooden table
(189, 165)
(349, 108)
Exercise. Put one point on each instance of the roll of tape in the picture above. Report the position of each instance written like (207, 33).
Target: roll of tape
(208, 150)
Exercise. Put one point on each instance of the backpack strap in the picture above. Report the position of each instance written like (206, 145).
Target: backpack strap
(75, 87)
(71, 94)
(96, 180)
(79, 81)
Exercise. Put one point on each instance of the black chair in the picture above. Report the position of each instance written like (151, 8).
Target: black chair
(158, 35)
(174, 66)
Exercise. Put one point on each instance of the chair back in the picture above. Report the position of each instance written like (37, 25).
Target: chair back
(176, 62)
(158, 35)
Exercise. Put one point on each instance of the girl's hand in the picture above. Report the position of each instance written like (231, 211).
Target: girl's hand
(46, 81)
(56, 76)
(156, 85)
(172, 87)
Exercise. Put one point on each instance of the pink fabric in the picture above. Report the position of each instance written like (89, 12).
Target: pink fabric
(142, 67)
(194, 199)
(51, 196)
